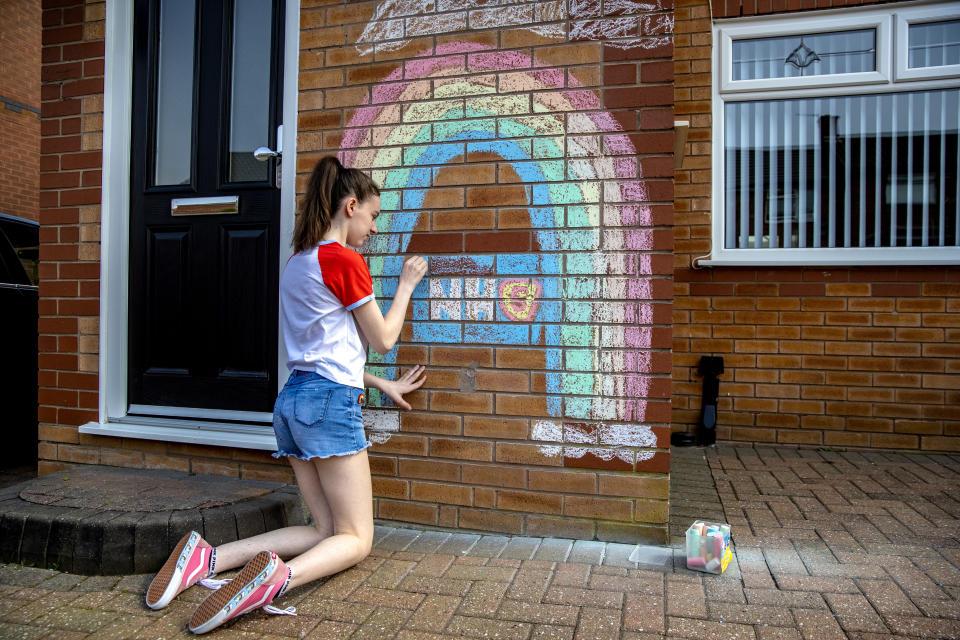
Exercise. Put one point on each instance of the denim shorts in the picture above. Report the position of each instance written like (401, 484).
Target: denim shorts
(317, 418)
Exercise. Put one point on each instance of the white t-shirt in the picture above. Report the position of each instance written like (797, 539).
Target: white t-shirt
(318, 290)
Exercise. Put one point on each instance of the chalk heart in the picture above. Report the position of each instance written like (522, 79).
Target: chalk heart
(518, 298)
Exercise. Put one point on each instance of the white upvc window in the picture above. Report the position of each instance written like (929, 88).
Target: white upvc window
(836, 137)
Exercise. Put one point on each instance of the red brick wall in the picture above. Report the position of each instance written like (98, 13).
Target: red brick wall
(739, 8)
(70, 161)
(865, 357)
(20, 107)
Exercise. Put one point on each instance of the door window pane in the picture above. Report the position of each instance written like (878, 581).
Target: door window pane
(250, 89)
(833, 172)
(934, 44)
(175, 66)
(812, 54)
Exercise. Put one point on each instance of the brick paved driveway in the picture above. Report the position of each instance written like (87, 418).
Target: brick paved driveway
(828, 545)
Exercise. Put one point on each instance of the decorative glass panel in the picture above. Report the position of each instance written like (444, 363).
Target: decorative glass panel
(934, 44)
(859, 171)
(174, 129)
(812, 54)
(250, 89)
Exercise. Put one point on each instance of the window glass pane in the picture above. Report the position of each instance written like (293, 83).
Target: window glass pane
(811, 54)
(934, 44)
(175, 92)
(250, 89)
(25, 242)
(860, 171)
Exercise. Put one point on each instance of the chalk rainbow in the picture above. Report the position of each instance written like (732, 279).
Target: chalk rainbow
(577, 167)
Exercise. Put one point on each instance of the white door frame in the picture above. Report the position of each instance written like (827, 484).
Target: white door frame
(115, 244)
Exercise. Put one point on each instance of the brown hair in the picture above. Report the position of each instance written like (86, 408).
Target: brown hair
(330, 184)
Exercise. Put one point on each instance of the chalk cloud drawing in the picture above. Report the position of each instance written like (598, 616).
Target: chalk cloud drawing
(584, 291)
(396, 22)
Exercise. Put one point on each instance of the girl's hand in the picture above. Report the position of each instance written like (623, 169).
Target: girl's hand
(395, 389)
(413, 271)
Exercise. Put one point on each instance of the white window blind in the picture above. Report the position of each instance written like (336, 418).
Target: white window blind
(858, 171)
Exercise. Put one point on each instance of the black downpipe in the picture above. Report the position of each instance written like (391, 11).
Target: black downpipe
(710, 368)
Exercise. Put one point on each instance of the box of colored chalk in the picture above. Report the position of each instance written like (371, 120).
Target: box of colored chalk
(708, 547)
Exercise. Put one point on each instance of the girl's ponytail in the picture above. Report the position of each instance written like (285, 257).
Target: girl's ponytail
(329, 184)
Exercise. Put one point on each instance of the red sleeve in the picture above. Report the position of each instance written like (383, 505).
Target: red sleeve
(346, 275)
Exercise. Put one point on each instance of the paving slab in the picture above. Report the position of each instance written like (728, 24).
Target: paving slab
(828, 544)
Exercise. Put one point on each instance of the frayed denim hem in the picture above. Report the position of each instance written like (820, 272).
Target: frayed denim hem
(282, 454)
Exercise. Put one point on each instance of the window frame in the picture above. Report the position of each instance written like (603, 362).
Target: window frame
(887, 79)
(921, 15)
(726, 34)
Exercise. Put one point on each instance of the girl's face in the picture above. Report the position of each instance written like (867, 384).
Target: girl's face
(363, 219)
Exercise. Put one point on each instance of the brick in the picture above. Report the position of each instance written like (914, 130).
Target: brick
(461, 449)
(498, 476)
(467, 356)
(429, 469)
(442, 493)
(433, 242)
(461, 402)
(938, 443)
(527, 454)
(430, 423)
(602, 508)
(641, 96)
(498, 241)
(619, 74)
(656, 72)
(465, 219)
(499, 196)
(495, 427)
(894, 441)
(407, 511)
(404, 445)
(390, 488)
(521, 405)
(563, 481)
(487, 520)
(529, 501)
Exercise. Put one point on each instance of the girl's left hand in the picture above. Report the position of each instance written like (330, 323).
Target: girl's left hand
(396, 389)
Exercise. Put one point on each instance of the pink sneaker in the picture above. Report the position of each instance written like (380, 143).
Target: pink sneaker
(188, 564)
(257, 584)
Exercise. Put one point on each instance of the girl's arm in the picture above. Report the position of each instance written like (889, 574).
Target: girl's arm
(396, 389)
(382, 331)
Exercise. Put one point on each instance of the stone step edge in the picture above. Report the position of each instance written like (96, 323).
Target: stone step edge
(103, 542)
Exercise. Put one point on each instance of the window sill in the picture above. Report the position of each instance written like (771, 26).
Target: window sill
(899, 257)
(244, 436)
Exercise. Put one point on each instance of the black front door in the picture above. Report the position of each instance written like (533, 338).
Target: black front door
(204, 213)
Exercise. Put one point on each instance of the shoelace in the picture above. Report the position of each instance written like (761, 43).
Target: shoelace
(214, 584)
(289, 611)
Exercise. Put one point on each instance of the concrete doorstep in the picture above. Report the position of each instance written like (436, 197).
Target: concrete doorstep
(107, 521)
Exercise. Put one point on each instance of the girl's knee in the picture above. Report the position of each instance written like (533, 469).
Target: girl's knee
(365, 546)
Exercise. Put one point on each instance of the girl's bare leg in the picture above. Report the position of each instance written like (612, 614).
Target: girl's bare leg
(346, 486)
(288, 541)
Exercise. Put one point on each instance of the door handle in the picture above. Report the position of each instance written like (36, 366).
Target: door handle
(265, 153)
